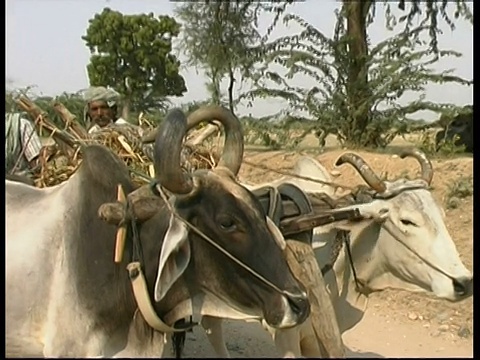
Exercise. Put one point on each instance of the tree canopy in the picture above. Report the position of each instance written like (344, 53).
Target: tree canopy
(357, 85)
(216, 37)
(133, 55)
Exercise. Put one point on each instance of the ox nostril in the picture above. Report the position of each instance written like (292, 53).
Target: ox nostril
(298, 302)
(462, 286)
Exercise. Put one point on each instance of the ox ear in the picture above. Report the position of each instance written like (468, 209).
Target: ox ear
(174, 257)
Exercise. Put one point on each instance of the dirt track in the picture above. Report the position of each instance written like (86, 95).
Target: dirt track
(397, 323)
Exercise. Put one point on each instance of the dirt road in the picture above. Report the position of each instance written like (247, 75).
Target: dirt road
(378, 335)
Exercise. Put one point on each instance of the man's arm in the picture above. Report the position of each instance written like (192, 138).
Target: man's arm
(30, 142)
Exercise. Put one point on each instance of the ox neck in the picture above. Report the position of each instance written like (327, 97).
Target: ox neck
(349, 298)
(206, 304)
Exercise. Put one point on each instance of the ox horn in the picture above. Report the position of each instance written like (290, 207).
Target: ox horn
(149, 137)
(364, 170)
(426, 165)
(169, 138)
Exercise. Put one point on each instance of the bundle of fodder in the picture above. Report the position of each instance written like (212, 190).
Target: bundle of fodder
(124, 141)
(58, 163)
(61, 159)
(200, 158)
(201, 150)
(55, 166)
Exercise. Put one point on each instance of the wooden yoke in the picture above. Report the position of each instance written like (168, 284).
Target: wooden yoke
(122, 229)
(320, 335)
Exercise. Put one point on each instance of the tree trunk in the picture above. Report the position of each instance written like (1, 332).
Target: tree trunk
(214, 86)
(357, 88)
(230, 89)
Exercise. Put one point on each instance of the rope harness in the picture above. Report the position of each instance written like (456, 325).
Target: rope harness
(136, 266)
(360, 194)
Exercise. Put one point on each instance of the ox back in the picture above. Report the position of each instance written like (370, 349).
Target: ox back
(100, 287)
(98, 177)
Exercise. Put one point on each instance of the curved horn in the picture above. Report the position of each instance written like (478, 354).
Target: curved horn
(168, 144)
(169, 138)
(149, 137)
(426, 165)
(364, 170)
(232, 155)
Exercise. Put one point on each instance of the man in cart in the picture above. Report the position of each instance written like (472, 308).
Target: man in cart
(22, 146)
(101, 110)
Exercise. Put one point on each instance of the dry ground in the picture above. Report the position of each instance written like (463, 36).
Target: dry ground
(397, 323)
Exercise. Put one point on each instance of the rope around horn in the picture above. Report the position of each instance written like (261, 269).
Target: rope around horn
(335, 185)
(288, 173)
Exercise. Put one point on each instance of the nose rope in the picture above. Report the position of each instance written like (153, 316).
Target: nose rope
(218, 247)
(393, 233)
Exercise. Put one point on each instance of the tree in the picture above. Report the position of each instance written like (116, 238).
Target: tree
(354, 81)
(433, 10)
(360, 14)
(216, 37)
(132, 54)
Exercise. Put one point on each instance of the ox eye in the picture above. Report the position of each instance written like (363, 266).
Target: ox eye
(407, 222)
(226, 223)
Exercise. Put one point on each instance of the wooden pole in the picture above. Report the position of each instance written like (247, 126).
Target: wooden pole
(323, 322)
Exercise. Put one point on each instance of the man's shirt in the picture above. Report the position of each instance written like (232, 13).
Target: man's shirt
(30, 144)
(119, 121)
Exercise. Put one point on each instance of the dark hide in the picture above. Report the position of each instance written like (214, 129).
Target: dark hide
(462, 125)
(103, 286)
(20, 178)
(222, 276)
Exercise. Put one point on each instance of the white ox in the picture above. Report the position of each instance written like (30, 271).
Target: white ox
(412, 250)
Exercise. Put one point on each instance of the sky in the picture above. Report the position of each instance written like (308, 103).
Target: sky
(44, 47)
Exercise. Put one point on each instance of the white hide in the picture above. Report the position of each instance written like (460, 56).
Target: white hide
(383, 261)
(37, 275)
(383, 253)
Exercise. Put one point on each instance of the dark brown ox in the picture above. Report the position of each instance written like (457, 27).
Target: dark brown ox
(67, 298)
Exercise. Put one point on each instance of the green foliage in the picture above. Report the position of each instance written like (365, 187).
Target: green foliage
(461, 188)
(275, 132)
(448, 116)
(446, 148)
(194, 105)
(216, 37)
(395, 66)
(132, 54)
(433, 12)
